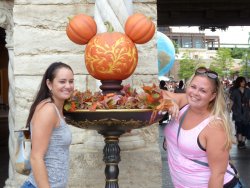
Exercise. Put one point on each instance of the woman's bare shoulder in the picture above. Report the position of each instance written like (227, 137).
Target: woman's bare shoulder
(215, 128)
(45, 112)
(216, 123)
(45, 105)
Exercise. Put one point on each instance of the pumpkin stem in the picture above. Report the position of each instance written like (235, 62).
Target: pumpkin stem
(70, 17)
(109, 26)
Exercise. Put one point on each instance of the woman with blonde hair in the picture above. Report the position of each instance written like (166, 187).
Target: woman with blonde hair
(198, 137)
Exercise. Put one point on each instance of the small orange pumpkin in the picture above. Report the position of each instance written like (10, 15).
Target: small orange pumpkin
(81, 28)
(111, 56)
(139, 28)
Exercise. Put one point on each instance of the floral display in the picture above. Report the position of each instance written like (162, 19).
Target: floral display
(149, 98)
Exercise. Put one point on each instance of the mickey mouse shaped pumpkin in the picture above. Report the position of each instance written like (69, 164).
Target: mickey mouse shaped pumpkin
(110, 55)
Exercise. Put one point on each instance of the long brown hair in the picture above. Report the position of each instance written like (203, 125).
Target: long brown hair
(44, 92)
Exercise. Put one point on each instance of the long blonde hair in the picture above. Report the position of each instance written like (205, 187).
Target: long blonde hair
(218, 109)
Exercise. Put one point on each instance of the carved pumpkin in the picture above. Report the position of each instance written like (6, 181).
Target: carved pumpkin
(111, 56)
(81, 28)
(139, 28)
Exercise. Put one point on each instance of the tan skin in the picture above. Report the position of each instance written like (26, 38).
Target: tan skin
(45, 119)
(212, 138)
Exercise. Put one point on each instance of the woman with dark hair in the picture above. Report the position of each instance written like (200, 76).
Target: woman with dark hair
(240, 107)
(180, 87)
(162, 85)
(50, 135)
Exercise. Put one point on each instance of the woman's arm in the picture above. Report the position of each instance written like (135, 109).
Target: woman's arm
(172, 102)
(217, 154)
(43, 123)
(179, 98)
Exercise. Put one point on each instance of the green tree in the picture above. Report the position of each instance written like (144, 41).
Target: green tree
(237, 53)
(222, 63)
(244, 55)
(187, 67)
(245, 64)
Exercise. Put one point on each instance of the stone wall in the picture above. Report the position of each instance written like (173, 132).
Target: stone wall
(37, 30)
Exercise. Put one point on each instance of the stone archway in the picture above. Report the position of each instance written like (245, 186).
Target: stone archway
(4, 128)
(4, 84)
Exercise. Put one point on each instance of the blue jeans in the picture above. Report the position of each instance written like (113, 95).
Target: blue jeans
(27, 184)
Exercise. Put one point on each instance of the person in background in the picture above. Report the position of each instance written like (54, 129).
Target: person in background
(180, 88)
(198, 136)
(248, 85)
(163, 85)
(240, 98)
(50, 135)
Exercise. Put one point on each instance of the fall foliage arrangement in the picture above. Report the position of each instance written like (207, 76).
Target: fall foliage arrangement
(149, 98)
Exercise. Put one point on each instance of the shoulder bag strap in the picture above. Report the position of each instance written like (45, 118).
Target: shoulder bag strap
(181, 122)
(206, 164)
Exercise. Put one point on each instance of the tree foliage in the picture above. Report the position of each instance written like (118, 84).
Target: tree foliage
(245, 68)
(187, 67)
(238, 53)
(223, 62)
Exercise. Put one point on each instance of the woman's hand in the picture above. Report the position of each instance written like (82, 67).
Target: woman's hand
(170, 106)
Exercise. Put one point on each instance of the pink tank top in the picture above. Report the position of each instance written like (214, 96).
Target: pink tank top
(186, 173)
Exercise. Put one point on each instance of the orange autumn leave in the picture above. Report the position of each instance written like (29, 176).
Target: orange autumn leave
(73, 106)
(130, 99)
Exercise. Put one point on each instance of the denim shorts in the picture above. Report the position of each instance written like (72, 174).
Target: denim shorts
(27, 184)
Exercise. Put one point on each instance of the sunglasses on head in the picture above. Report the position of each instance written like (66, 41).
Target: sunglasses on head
(205, 71)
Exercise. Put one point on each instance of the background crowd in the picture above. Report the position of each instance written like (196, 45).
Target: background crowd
(237, 96)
